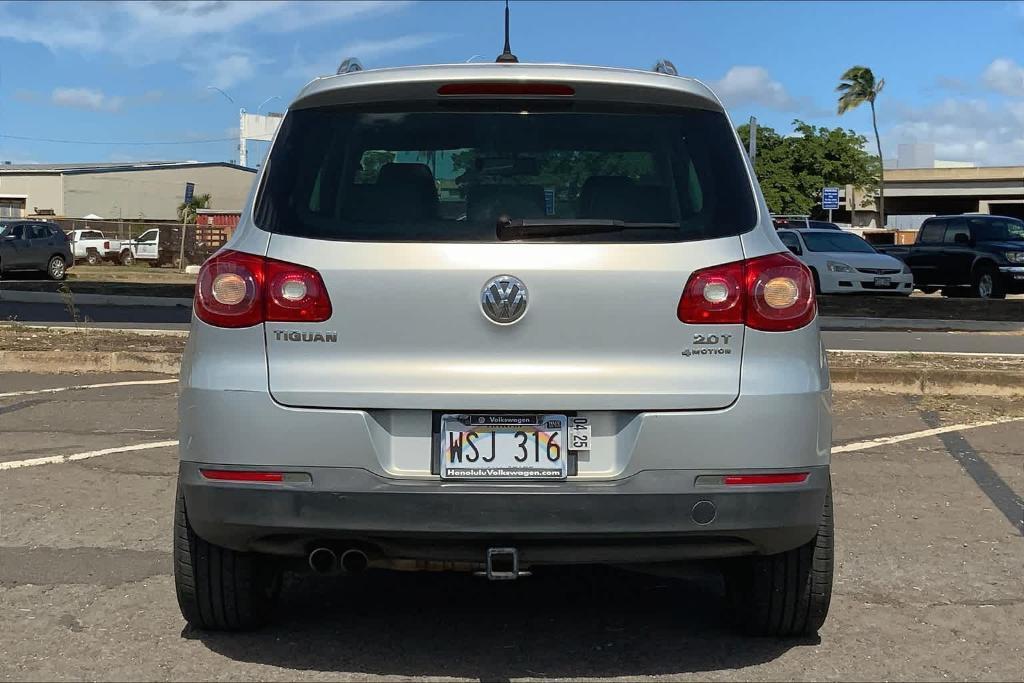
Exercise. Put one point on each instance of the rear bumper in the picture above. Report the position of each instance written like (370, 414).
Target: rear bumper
(650, 516)
(864, 283)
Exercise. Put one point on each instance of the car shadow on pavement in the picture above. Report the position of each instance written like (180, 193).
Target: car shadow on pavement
(589, 622)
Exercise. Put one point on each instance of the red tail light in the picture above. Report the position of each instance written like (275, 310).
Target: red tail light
(532, 89)
(242, 290)
(106, 246)
(773, 293)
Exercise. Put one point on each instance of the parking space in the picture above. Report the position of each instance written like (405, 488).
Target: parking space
(928, 585)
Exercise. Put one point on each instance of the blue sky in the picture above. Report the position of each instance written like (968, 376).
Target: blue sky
(130, 72)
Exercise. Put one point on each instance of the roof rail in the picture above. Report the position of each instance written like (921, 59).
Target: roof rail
(350, 65)
(666, 67)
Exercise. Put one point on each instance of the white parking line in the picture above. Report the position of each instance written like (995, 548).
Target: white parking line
(55, 390)
(886, 440)
(58, 459)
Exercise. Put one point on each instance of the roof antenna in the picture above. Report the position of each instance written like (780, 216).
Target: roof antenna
(506, 55)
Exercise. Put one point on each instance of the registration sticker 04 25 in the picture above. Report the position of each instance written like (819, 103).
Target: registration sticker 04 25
(579, 434)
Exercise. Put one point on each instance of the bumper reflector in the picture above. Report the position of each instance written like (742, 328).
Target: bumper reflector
(257, 476)
(748, 479)
(752, 479)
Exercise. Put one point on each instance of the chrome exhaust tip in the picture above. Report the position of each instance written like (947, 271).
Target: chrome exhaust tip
(323, 561)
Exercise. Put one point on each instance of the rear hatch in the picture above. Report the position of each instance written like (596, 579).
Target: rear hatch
(591, 215)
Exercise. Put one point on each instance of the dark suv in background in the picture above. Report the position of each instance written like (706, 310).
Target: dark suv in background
(34, 245)
(974, 254)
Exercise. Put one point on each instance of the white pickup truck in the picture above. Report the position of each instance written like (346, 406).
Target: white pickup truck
(158, 246)
(93, 247)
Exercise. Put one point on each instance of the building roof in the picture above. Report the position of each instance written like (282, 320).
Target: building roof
(107, 167)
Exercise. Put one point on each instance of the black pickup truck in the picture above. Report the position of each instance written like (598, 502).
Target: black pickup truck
(977, 255)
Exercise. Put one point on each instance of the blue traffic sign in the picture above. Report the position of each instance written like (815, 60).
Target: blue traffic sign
(830, 198)
(190, 190)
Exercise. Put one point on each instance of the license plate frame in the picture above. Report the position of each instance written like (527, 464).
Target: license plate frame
(883, 281)
(490, 458)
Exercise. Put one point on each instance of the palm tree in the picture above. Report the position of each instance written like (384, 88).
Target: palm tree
(187, 212)
(858, 85)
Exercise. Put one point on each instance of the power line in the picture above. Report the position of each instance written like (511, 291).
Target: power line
(118, 142)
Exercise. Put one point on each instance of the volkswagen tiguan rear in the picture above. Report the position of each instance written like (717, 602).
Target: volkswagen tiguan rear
(495, 317)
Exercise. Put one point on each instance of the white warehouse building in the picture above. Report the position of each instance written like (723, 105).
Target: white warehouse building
(141, 190)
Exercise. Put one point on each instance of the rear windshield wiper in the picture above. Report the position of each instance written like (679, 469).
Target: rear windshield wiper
(523, 228)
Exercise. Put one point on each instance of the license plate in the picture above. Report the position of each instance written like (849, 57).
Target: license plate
(503, 446)
(882, 281)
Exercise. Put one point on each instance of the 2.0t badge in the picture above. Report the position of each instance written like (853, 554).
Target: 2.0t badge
(504, 299)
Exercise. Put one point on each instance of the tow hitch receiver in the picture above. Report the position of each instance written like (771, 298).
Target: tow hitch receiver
(502, 565)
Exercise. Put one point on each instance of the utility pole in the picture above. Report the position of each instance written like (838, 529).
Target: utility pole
(752, 143)
(189, 193)
(242, 157)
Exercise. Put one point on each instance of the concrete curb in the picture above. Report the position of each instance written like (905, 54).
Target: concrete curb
(18, 296)
(837, 323)
(918, 382)
(56, 362)
(887, 380)
(141, 331)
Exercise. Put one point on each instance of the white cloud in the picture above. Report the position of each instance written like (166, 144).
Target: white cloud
(149, 32)
(86, 98)
(231, 70)
(746, 85)
(962, 130)
(1004, 76)
(365, 50)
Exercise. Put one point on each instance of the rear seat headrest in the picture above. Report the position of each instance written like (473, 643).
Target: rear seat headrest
(393, 173)
(403, 192)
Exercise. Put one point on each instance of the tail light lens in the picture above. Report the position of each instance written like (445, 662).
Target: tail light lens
(242, 290)
(773, 293)
(106, 246)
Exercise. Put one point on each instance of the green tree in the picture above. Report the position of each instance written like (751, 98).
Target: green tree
(857, 85)
(187, 211)
(792, 169)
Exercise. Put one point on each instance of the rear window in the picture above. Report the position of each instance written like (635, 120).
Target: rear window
(453, 175)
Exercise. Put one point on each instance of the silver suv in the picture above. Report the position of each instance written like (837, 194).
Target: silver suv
(489, 317)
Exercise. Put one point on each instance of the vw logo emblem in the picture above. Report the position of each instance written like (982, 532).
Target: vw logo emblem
(503, 299)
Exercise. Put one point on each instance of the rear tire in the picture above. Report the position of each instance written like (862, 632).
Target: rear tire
(985, 283)
(57, 269)
(787, 594)
(127, 259)
(93, 258)
(220, 589)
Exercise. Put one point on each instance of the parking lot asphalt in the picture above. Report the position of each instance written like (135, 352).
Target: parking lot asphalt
(928, 583)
